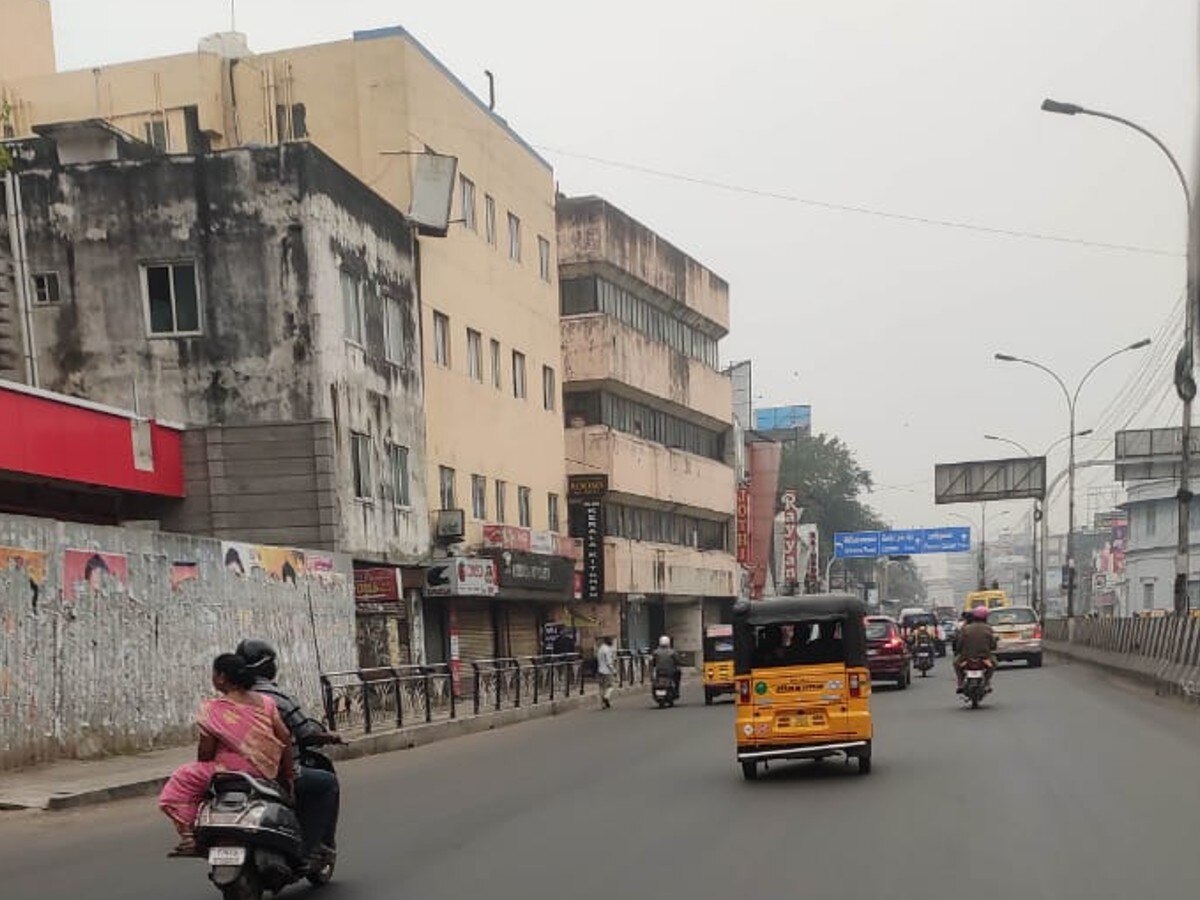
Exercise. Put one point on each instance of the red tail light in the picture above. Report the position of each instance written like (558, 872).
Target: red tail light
(1037, 632)
(743, 687)
(894, 644)
(855, 685)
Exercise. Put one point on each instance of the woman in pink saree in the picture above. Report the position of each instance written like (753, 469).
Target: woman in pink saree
(240, 731)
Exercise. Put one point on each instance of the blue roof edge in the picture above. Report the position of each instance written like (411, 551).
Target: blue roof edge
(391, 31)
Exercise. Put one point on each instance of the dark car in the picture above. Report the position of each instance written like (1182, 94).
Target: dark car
(912, 619)
(888, 655)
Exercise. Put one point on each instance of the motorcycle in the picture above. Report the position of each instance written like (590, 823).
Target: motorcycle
(252, 837)
(923, 658)
(975, 684)
(664, 691)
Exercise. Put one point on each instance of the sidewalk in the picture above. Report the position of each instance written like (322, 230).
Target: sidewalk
(71, 783)
(1166, 678)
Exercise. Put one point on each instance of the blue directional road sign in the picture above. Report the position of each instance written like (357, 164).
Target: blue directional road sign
(909, 542)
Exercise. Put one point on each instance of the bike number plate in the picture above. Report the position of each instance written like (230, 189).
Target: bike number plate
(226, 856)
(974, 676)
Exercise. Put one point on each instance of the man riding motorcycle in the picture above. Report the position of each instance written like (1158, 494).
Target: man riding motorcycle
(665, 661)
(975, 641)
(318, 796)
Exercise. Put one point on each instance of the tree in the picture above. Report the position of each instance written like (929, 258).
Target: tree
(830, 486)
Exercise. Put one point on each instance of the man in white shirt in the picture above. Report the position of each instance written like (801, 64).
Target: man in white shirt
(606, 669)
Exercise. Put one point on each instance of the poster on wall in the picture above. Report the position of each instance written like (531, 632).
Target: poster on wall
(238, 559)
(30, 564)
(183, 572)
(273, 563)
(91, 573)
(281, 564)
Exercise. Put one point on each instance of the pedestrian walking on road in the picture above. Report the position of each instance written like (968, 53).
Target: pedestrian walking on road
(606, 669)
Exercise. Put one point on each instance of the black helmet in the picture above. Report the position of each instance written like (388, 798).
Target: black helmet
(260, 657)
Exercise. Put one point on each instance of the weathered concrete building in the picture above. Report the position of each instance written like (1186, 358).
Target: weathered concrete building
(647, 407)
(264, 299)
(492, 351)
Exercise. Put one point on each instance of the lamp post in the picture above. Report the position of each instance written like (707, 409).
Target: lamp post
(982, 579)
(1185, 382)
(1072, 399)
(1037, 564)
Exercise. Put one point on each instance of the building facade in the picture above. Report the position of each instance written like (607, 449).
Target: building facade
(1152, 512)
(265, 300)
(648, 409)
(488, 317)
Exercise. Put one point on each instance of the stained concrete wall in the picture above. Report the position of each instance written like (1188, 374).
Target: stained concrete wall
(123, 667)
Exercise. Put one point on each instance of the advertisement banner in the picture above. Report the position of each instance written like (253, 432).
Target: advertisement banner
(462, 577)
(380, 585)
(791, 539)
(743, 524)
(88, 573)
(593, 550)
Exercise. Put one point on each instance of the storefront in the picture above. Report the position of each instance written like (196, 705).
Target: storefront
(459, 625)
(533, 586)
(382, 619)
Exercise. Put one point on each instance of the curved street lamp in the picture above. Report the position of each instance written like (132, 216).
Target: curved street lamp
(1072, 399)
(1185, 382)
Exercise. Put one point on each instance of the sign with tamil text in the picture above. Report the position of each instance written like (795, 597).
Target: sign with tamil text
(908, 542)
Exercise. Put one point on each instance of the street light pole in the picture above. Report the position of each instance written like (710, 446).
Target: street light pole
(1072, 401)
(1185, 382)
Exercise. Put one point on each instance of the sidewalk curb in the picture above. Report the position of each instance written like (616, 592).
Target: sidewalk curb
(1182, 685)
(358, 748)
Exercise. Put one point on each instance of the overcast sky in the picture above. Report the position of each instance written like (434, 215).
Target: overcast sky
(923, 108)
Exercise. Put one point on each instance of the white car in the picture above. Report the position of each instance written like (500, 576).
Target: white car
(1018, 634)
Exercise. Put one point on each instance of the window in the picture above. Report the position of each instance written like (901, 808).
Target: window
(45, 288)
(398, 460)
(172, 300)
(524, 512)
(291, 122)
(475, 354)
(479, 496)
(601, 408)
(1151, 520)
(514, 238)
(497, 378)
(1148, 595)
(360, 462)
(552, 512)
(441, 340)
(519, 375)
(467, 191)
(156, 135)
(640, 524)
(501, 497)
(549, 389)
(393, 329)
(543, 258)
(489, 218)
(446, 487)
(352, 305)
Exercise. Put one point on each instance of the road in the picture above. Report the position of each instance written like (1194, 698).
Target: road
(1066, 786)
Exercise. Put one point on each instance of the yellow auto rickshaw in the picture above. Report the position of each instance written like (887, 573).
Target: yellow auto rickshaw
(718, 662)
(803, 687)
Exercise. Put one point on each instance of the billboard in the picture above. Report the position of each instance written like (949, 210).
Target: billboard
(990, 479)
(783, 418)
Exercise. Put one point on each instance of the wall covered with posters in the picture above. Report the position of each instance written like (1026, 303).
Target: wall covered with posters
(107, 635)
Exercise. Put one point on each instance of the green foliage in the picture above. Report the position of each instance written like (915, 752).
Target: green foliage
(6, 160)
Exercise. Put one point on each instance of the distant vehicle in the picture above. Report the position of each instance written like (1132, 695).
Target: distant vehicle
(949, 629)
(945, 613)
(1018, 634)
(914, 617)
(888, 656)
(991, 599)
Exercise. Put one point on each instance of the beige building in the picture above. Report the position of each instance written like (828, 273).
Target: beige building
(488, 289)
(647, 406)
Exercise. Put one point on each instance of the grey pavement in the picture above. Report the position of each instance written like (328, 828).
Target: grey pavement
(1066, 785)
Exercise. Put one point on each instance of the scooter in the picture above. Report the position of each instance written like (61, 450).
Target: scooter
(975, 684)
(664, 691)
(923, 658)
(252, 837)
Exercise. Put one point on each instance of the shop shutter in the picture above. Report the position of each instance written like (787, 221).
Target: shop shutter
(524, 629)
(476, 636)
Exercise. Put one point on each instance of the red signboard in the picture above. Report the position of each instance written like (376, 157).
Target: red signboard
(52, 436)
(743, 525)
(378, 585)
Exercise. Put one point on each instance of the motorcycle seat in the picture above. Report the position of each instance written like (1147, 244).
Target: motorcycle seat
(268, 790)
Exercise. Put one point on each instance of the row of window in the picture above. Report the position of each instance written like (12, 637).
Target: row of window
(358, 295)
(631, 417)
(466, 199)
(661, 527)
(443, 356)
(592, 294)
(448, 498)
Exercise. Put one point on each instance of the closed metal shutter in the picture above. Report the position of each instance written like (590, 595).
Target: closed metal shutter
(476, 636)
(524, 630)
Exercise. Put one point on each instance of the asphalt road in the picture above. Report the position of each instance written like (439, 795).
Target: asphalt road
(1065, 786)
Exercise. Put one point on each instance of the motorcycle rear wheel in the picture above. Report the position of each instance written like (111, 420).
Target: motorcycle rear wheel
(245, 888)
(324, 875)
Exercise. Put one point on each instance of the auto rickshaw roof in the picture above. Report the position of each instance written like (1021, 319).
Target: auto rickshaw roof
(809, 607)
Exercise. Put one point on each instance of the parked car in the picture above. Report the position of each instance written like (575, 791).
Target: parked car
(1018, 634)
(888, 655)
(913, 618)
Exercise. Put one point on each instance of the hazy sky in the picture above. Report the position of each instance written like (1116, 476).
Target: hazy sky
(924, 108)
